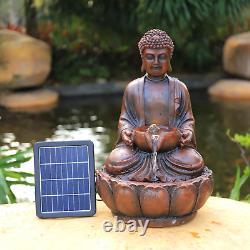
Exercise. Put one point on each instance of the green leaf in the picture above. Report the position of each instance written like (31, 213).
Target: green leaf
(6, 188)
(186, 11)
(3, 198)
(243, 140)
(6, 162)
(239, 181)
(17, 175)
(15, 159)
(14, 164)
(11, 196)
(10, 183)
(247, 198)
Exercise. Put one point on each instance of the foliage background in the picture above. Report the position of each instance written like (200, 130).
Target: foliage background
(98, 38)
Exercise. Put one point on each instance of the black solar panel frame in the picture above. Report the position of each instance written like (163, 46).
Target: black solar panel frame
(52, 144)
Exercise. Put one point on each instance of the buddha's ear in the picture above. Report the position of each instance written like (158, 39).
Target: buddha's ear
(169, 66)
(142, 67)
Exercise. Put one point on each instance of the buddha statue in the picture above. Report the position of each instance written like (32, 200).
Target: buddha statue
(155, 171)
(155, 98)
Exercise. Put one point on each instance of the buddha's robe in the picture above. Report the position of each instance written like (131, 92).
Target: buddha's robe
(165, 103)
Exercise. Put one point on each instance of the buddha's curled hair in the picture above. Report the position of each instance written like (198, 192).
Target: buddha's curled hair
(156, 39)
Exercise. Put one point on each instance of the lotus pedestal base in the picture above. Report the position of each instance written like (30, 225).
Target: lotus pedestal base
(164, 204)
(167, 221)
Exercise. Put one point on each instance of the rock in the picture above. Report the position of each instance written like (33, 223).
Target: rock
(33, 100)
(236, 55)
(231, 89)
(24, 61)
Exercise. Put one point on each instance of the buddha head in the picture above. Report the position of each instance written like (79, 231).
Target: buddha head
(156, 49)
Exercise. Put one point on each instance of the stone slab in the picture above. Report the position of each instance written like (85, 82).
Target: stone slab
(231, 89)
(220, 224)
(90, 89)
(193, 82)
(30, 100)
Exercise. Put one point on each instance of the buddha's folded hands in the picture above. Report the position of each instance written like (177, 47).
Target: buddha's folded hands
(186, 137)
(127, 137)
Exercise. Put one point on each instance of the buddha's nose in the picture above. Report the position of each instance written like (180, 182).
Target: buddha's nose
(156, 60)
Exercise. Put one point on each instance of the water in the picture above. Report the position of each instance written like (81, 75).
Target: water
(155, 142)
(96, 119)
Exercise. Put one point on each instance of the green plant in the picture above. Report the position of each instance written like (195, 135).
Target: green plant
(10, 162)
(198, 37)
(239, 181)
(96, 38)
(243, 143)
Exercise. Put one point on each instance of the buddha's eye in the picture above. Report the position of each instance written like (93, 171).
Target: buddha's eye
(162, 57)
(149, 57)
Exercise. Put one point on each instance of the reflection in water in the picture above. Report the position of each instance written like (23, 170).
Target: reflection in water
(96, 119)
(213, 119)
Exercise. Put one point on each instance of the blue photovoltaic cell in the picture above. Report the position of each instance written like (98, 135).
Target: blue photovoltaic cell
(64, 173)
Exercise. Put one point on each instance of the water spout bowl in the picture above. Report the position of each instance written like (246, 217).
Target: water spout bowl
(169, 138)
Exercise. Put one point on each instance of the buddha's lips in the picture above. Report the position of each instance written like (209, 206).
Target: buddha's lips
(156, 67)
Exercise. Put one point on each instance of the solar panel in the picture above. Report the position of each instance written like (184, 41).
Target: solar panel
(64, 179)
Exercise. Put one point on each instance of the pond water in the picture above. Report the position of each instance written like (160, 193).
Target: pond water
(96, 119)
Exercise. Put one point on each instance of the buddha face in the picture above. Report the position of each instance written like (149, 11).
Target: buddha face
(155, 62)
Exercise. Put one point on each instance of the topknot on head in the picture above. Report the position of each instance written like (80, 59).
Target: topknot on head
(156, 39)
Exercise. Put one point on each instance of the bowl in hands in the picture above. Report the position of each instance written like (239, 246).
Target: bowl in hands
(167, 138)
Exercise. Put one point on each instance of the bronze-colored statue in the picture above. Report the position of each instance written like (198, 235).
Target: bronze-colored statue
(155, 171)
